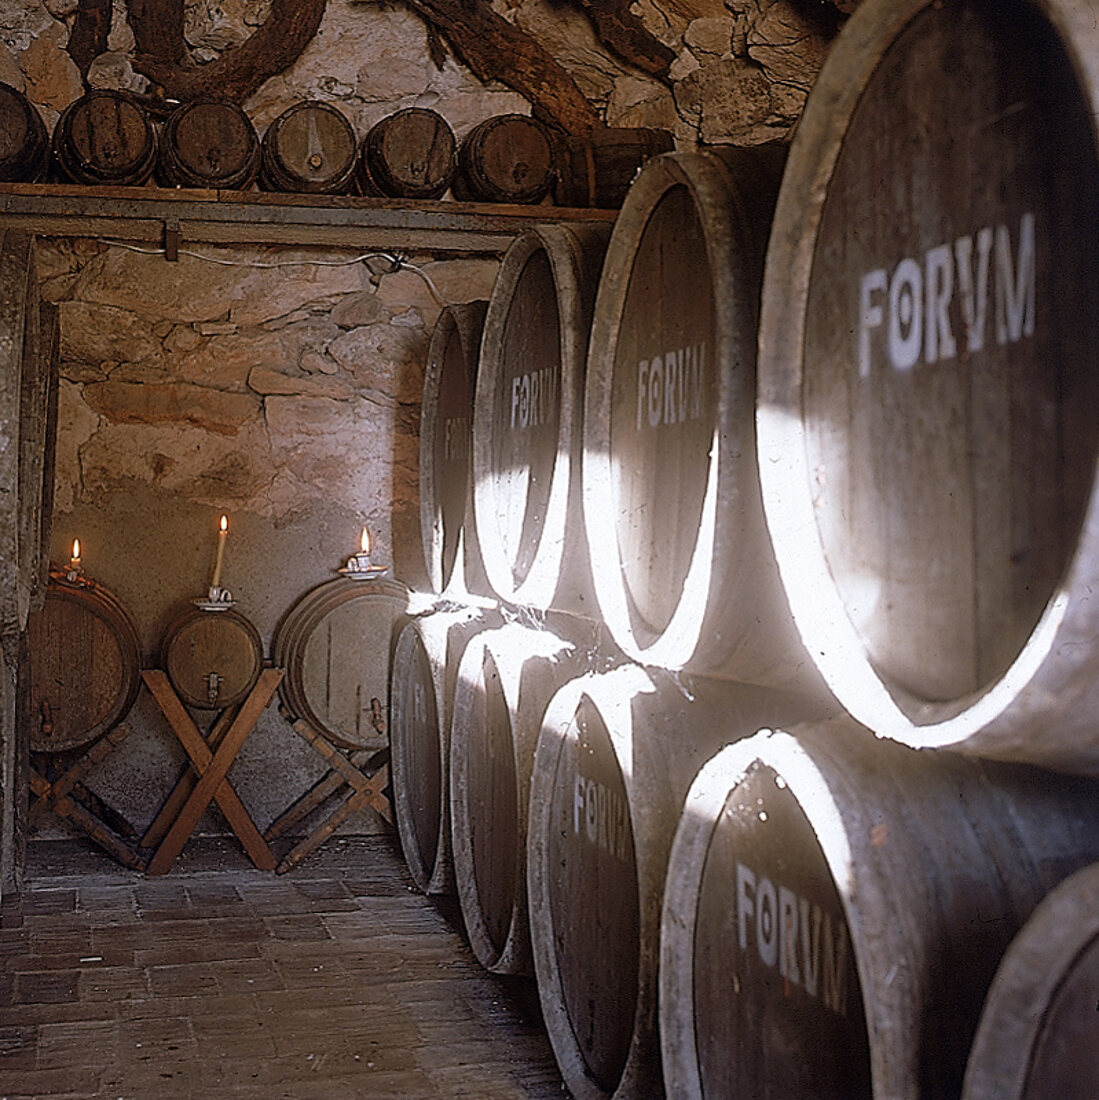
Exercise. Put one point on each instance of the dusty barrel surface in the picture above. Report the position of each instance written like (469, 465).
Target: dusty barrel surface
(506, 158)
(597, 170)
(336, 643)
(425, 671)
(527, 418)
(84, 662)
(24, 143)
(446, 459)
(1038, 1033)
(105, 137)
(615, 756)
(927, 462)
(836, 907)
(212, 658)
(679, 552)
(410, 154)
(505, 681)
(208, 143)
(310, 148)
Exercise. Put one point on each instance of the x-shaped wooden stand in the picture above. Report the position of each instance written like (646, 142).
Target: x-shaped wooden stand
(211, 760)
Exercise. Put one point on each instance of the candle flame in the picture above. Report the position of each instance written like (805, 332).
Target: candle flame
(76, 548)
(225, 523)
(365, 541)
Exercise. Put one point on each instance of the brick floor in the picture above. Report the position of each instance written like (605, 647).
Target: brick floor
(336, 980)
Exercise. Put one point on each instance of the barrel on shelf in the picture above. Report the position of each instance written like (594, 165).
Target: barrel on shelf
(526, 418)
(208, 143)
(446, 419)
(506, 679)
(105, 137)
(683, 570)
(836, 906)
(927, 449)
(425, 672)
(24, 143)
(310, 148)
(212, 658)
(1039, 1030)
(336, 644)
(84, 663)
(597, 169)
(506, 158)
(409, 154)
(615, 757)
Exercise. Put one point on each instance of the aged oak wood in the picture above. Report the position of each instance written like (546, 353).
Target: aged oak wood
(409, 154)
(105, 137)
(506, 158)
(24, 143)
(597, 169)
(210, 143)
(926, 450)
(311, 148)
(836, 906)
(526, 419)
(213, 658)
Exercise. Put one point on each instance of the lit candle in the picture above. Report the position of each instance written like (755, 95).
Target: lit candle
(364, 542)
(74, 561)
(222, 535)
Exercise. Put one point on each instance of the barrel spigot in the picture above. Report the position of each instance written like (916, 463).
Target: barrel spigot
(213, 686)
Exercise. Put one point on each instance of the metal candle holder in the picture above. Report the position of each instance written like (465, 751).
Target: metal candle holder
(217, 599)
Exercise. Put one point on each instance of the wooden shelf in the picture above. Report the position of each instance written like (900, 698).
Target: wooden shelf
(174, 218)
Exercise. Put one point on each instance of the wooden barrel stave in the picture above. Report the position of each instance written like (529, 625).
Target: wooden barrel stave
(597, 170)
(310, 148)
(918, 866)
(212, 658)
(24, 143)
(506, 158)
(409, 154)
(105, 137)
(946, 598)
(208, 143)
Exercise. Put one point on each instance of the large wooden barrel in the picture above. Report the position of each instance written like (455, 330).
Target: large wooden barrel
(84, 663)
(679, 552)
(105, 137)
(526, 418)
(1039, 1030)
(24, 143)
(615, 757)
(208, 143)
(336, 643)
(506, 679)
(408, 155)
(597, 169)
(836, 907)
(311, 148)
(506, 158)
(425, 670)
(926, 446)
(212, 658)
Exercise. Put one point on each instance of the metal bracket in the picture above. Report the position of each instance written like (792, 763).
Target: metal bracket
(171, 240)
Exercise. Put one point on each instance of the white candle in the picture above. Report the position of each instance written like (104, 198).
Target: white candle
(74, 561)
(222, 535)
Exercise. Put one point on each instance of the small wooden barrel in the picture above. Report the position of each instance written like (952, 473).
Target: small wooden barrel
(615, 757)
(927, 449)
(24, 143)
(105, 137)
(836, 907)
(208, 143)
(506, 678)
(446, 419)
(425, 669)
(526, 419)
(1039, 1030)
(212, 658)
(679, 552)
(506, 158)
(408, 155)
(84, 664)
(597, 170)
(311, 148)
(336, 644)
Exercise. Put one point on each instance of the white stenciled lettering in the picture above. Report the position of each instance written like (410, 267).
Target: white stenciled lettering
(534, 398)
(907, 312)
(669, 387)
(601, 816)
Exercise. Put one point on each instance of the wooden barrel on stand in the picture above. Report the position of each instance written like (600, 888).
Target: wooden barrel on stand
(615, 756)
(408, 155)
(1038, 1032)
(526, 418)
(598, 169)
(212, 658)
(24, 143)
(506, 158)
(425, 672)
(506, 679)
(84, 662)
(105, 137)
(336, 644)
(446, 475)
(208, 143)
(836, 907)
(683, 570)
(926, 446)
(309, 148)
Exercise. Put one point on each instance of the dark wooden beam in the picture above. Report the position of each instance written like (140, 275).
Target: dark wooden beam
(626, 37)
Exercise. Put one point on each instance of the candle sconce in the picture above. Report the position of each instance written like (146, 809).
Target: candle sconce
(359, 566)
